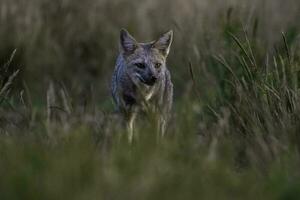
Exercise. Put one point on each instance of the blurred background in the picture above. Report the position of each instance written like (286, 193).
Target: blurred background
(234, 132)
(76, 43)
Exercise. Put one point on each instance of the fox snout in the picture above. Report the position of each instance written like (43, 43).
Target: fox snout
(148, 79)
(152, 79)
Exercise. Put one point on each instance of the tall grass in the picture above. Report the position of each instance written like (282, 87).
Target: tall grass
(235, 128)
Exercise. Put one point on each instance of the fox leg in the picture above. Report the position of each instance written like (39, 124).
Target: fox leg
(166, 104)
(162, 127)
(130, 127)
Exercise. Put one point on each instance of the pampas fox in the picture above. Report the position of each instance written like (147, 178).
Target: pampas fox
(141, 79)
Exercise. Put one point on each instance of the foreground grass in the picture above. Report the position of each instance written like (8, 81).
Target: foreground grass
(244, 146)
(76, 168)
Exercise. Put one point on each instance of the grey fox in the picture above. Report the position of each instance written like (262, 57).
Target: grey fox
(141, 80)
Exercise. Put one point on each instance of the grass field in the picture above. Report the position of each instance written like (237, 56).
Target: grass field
(235, 129)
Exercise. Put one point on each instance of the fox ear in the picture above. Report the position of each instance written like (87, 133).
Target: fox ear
(163, 44)
(127, 43)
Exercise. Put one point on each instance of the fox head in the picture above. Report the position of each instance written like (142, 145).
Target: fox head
(145, 62)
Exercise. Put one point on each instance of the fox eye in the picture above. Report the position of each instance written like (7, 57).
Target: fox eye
(140, 65)
(157, 65)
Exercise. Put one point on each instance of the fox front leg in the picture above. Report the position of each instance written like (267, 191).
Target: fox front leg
(129, 111)
(165, 105)
(161, 127)
(130, 127)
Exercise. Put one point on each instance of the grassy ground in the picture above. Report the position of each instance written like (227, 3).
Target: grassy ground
(235, 127)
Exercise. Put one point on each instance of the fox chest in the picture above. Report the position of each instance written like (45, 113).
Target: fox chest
(140, 95)
(146, 92)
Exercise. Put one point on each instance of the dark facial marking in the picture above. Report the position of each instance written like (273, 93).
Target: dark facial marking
(140, 65)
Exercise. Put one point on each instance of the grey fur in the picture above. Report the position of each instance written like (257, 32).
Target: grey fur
(141, 80)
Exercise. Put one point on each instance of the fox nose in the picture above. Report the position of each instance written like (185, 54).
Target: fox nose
(153, 78)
